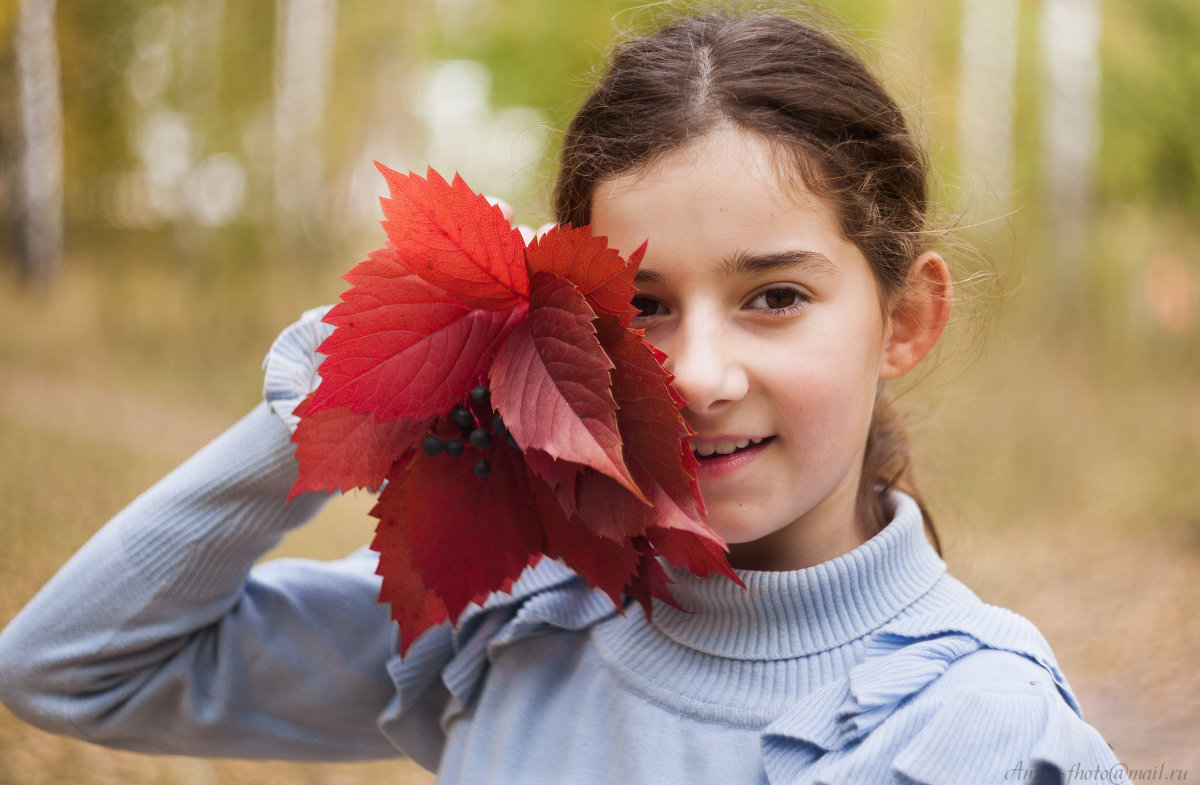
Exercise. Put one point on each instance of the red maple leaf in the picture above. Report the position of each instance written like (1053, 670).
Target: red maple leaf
(501, 394)
(466, 535)
(450, 236)
(551, 382)
(402, 349)
(599, 272)
(339, 449)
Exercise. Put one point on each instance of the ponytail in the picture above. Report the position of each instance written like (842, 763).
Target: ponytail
(887, 466)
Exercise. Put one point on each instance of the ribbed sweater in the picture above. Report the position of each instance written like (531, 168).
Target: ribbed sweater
(876, 666)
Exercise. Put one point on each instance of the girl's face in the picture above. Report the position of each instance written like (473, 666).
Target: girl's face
(775, 333)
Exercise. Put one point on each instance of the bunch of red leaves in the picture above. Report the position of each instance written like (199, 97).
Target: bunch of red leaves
(458, 328)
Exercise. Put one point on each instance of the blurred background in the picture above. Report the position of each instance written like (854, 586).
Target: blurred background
(180, 179)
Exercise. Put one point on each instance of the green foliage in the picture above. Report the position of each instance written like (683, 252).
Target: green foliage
(1151, 99)
(94, 45)
(540, 53)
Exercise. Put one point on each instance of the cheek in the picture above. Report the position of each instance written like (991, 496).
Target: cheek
(826, 402)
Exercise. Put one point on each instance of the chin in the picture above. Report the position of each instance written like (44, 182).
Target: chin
(734, 533)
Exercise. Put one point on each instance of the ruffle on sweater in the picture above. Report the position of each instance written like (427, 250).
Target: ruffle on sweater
(443, 671)
(547, 597)
(1019, 732)
(290, 367)
(969, 693)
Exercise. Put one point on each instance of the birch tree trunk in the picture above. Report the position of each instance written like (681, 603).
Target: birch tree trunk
(1070, 43)
(986, 100)
(303, 58)
(40, 171)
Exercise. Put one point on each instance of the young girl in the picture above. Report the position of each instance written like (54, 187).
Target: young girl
(786, 280)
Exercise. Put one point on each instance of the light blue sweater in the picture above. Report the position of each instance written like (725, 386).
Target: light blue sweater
(874, 667)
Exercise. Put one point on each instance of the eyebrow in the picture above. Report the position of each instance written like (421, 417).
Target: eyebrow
(748, 265)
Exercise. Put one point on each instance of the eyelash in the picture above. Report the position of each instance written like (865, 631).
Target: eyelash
(801, 300)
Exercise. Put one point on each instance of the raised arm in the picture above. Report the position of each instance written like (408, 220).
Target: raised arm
(158, 636)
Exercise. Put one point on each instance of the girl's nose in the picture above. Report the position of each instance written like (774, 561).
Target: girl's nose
(707, 368)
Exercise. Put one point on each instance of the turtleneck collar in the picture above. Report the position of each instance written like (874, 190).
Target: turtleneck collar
(780, 615)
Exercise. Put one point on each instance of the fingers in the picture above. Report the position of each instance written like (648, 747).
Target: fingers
(527, 233)
(504, 206)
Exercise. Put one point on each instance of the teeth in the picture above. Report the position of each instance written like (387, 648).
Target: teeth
(722, 448)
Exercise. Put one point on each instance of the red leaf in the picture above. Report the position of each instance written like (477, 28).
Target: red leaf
(413, 605)
(400, 349)
(550, 383)
(608, 510)
(338, 449)
(560, 476)
(687, 542)
(456, 300)
(654, 431)
(451, 237)
(599, 272)
(467, 535)
(651, 580)
(605, 564)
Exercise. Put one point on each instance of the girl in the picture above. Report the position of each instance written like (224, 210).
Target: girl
(786, 280)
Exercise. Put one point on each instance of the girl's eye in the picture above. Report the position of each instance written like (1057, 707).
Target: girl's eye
(648, 307)
(781, 298)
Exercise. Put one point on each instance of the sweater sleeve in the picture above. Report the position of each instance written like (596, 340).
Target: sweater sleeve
(963, 694)
(1019, 729)
(159, 636)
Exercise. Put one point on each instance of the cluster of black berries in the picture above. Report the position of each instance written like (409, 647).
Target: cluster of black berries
(472, 431)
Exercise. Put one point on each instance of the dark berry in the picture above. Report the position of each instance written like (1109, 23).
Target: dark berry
(434, 445)
(480, 438)
(454, 447)
(466, 432)
(480, 393)
(513, 442)
(462, 417)
(483, 469)
(498, 423)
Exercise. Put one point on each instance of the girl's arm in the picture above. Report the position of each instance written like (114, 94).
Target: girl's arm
(158, 636)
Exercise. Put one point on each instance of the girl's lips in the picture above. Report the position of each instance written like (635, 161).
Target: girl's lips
(716, 465)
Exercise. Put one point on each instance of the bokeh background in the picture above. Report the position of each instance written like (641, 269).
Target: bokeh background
(179, 179)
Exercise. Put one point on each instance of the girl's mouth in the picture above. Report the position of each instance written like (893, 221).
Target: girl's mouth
(719, 458)
(722, 449)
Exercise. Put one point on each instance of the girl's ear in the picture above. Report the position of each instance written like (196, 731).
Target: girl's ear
(918, 316)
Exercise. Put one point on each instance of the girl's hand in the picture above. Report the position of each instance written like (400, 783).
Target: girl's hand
(527, 232)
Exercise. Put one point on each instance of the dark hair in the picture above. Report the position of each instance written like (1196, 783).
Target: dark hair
(825, 114)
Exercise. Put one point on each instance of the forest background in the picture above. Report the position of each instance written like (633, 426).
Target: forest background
(180, 179)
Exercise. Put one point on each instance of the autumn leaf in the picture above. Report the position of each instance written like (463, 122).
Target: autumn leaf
(339, 450)
(606, 564)
(687, 542)
(560, 476)
(466, 534)
(501, 399)
(655, 436)
(551, 383)
(651, 580)
(454, 239)
(402, 347)
(599, 272)
(414, 606)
